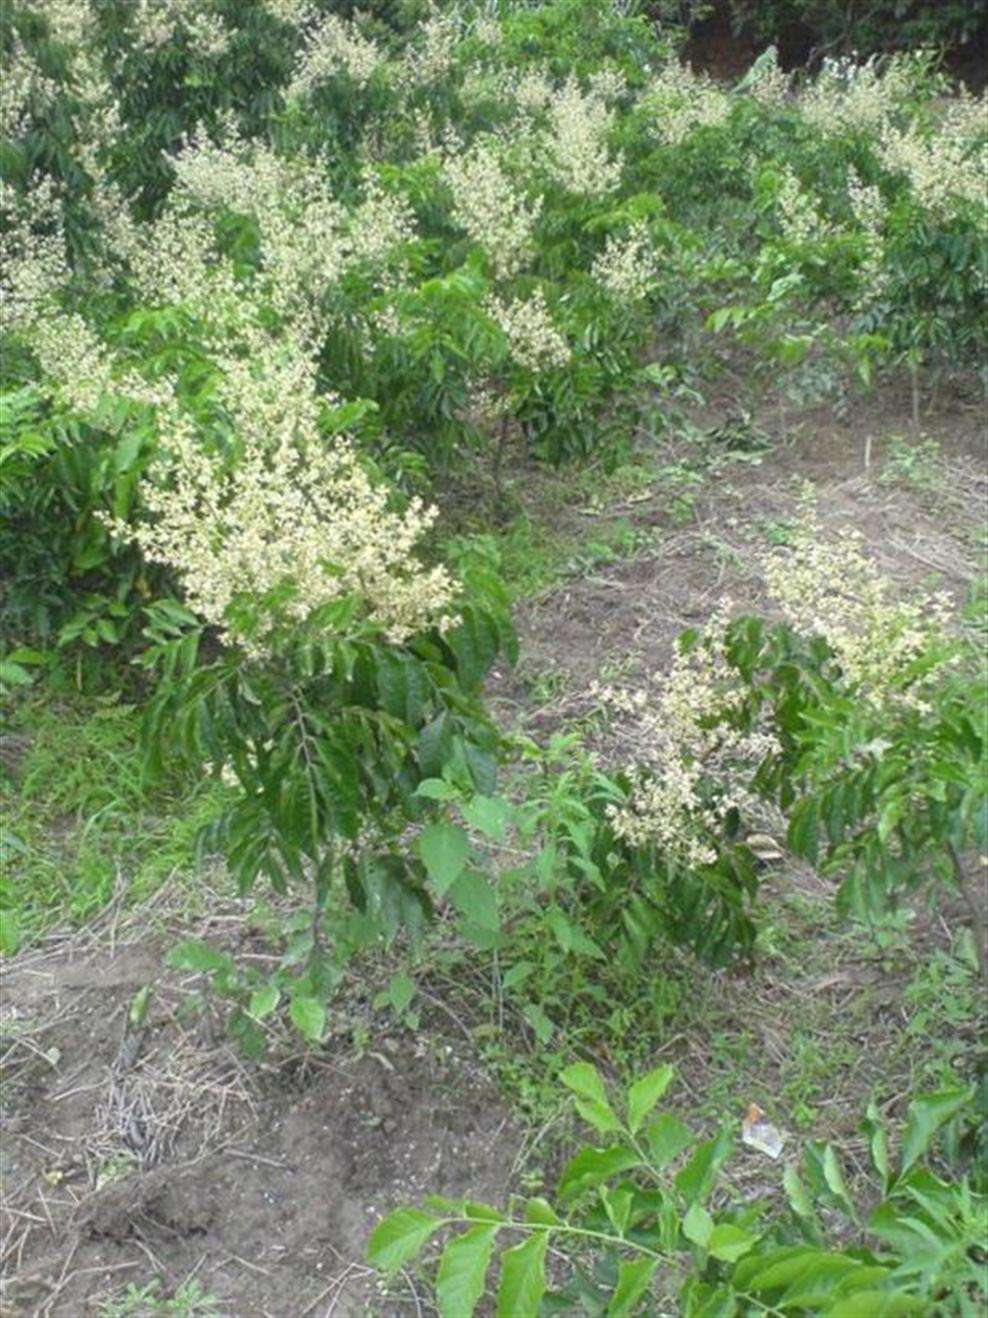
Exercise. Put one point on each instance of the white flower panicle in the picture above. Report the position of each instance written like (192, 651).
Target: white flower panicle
(576, 145)
(430, 56)
(534, 342)
(155, 22)
(691, 766)
(681, 101)
(33, 264)
(533, 91)
(947, 164)
(628, 267)
(798, 217)
(81, 371)
(847, 96)
(333, 47)
(293, 12)
(869, 212)
(832, 589)
(766, 82)
(491, 211)
(285, 510)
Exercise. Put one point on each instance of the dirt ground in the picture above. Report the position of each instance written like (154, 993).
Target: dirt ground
(139, 1150)
(130, 1153)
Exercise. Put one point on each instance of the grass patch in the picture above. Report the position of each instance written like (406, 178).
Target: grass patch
(80, 817)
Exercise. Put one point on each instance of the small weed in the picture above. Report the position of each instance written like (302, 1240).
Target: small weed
(189, 1301)
(918, 466)
(777, 531)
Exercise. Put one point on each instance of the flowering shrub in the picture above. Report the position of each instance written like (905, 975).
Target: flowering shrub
(851, 726)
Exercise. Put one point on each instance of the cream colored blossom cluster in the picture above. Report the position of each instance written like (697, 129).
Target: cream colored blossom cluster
(533, 91)
(832, 589)
(285, 509)
(33, 264)
(23, 88)
(766, 82)
(576, 144)
(847, 96)
(487, 30)
(334, 46)
(628, 267)
(294, 12)
(869, 212)
(691, 767)
(947, 164)
(489, 208)
(80, 370)
(798, 217)
(534, 341)
(307, 238)
(607, 84)
(429, 57)
(681, 101)
(155, 22)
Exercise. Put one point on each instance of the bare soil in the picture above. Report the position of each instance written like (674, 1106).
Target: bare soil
(131, 1152)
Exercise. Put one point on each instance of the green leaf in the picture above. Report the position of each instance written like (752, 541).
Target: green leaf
(927, 1113)
(728, 1242)
(400, 1237)
(617, 1205)
(488, 815)
(539, 1021)
(139, 1003)
(634, 1278)
(309, 1017)
(804, 829)
(476, 900)
(591, 1167)
(561, 928)
(444, 849)
(435, 789)
(797, 1193)
(667, 1137)
(541, 1211)
(517, 974)
(195, 955)
(697, 1178)
(523, 1278)
(591, 1097)
(462, 1269)
(834, 1177)
(645, 1093)
(698, 1225)
(877, 1304)
(10, 933)
(878, 1142)
(264, 1000)
(401, 990)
